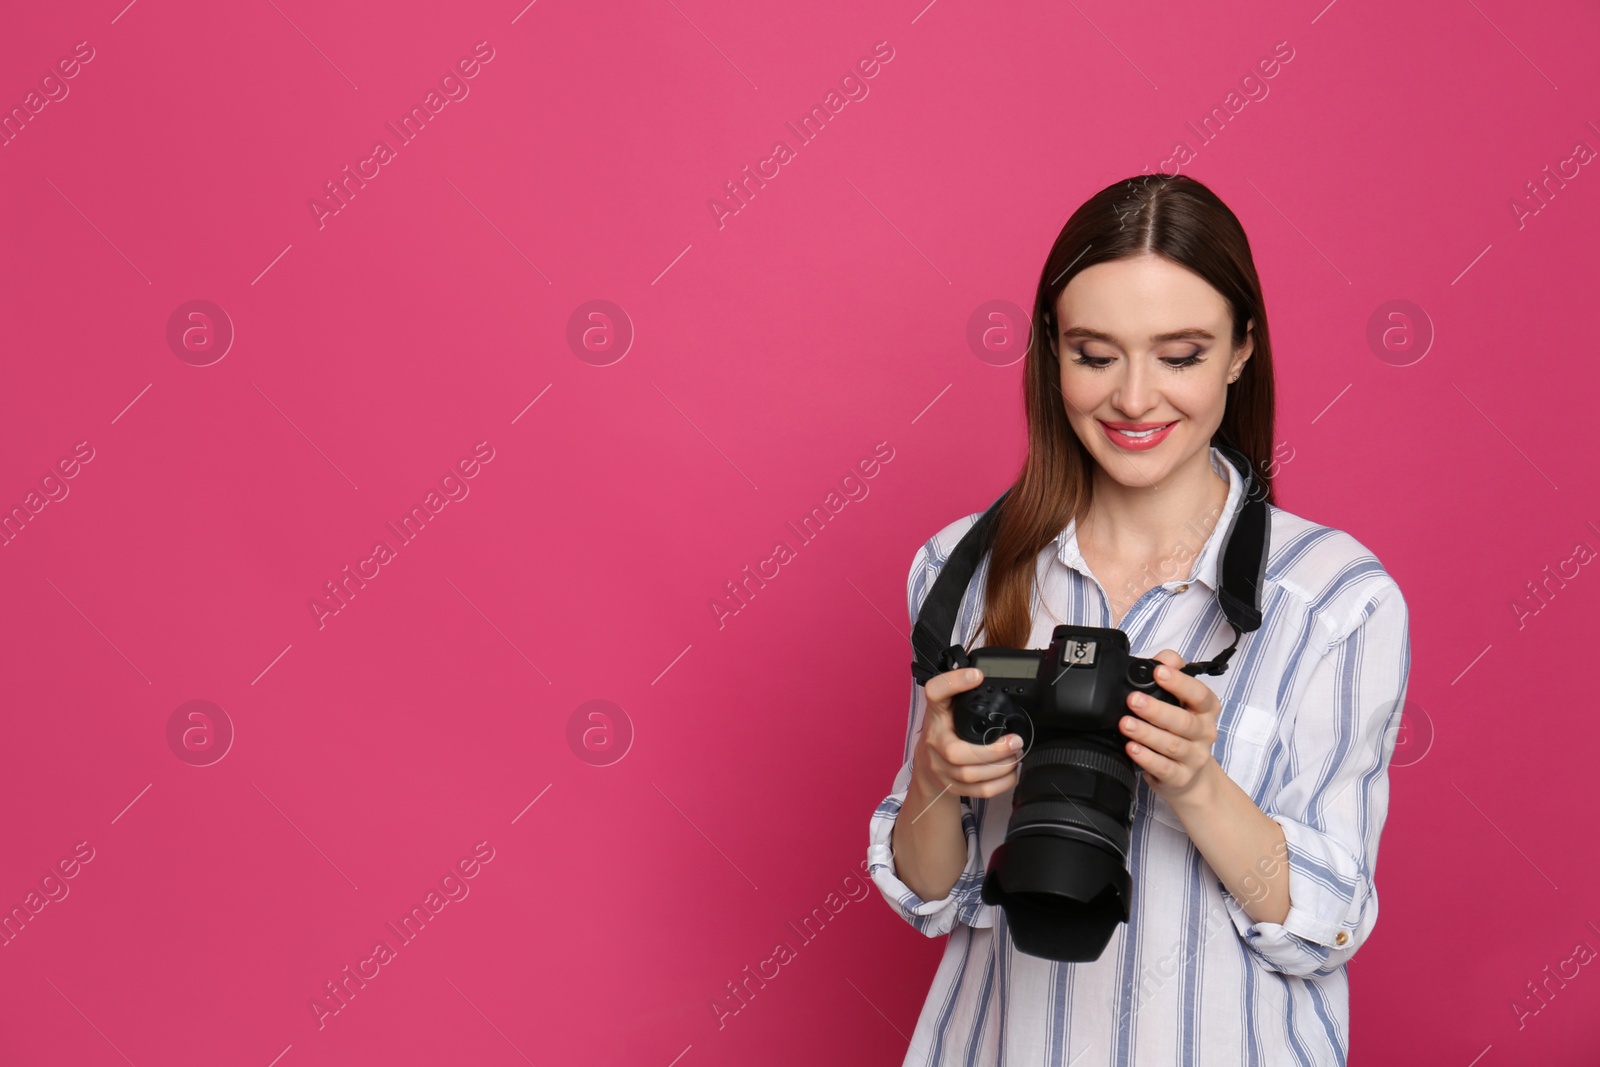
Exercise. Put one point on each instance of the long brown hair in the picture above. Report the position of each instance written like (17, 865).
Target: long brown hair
(1175, 217)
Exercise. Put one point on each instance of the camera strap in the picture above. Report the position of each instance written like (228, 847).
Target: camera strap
(936, 622)
(1241, 570)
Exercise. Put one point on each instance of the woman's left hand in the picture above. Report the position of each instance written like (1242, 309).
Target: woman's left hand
(1171, 743)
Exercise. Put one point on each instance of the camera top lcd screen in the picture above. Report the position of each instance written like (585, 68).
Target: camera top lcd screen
(1005, 667)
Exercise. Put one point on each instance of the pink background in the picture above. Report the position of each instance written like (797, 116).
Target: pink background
(769, 356)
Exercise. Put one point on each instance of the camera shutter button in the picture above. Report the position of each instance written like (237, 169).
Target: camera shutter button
(1140, 674)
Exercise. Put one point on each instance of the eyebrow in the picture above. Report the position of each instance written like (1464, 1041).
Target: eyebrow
(1189, 333)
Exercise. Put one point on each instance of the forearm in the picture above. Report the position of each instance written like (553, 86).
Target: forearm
(930, 847)
(1244, 846)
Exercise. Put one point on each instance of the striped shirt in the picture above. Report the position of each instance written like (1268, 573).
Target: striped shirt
(1310, 712)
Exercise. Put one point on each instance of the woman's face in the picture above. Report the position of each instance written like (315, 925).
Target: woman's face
(1145, 345)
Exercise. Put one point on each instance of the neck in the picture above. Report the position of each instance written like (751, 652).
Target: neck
(1142, 522)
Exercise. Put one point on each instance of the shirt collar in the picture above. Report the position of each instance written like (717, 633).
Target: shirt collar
(1205, 566)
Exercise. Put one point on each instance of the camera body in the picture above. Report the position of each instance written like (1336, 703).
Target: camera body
(1079, 685)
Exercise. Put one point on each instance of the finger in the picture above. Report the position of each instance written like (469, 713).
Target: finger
(941, 687)
(1168, 717)
(1176, 682)
(1154, 738)
(959, 753)
(991, 788)
(1153, 762)
(972, 773)
(1186, 687)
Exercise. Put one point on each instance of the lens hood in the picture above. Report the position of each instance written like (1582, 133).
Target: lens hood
(1063, 899)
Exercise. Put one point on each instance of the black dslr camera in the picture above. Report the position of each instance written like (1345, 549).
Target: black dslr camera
(1062, 873)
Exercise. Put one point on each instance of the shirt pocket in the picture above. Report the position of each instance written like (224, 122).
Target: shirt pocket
(1246, 735)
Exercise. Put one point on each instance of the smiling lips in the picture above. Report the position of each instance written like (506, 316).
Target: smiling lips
(1136, 436)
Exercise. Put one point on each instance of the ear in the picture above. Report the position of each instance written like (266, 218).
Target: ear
(1246, 348)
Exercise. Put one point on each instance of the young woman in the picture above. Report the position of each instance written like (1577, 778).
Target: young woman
(1260, 799)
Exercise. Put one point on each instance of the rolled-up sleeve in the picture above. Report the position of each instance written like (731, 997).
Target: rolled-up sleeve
(964, 902)
(1334, 802)
(932, 917)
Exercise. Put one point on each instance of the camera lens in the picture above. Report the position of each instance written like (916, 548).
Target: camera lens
(1062, 872)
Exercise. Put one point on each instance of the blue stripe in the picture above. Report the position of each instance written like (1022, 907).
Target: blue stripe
(953, 995)
(1252, 1025)
(1330, 1028)
(1061, 979)
(974, 1043)
(1189, 993)
(1302, 1055)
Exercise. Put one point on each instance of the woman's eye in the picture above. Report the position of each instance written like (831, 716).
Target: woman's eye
(1102, 362)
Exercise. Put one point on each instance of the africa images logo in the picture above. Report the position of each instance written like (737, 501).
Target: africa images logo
(452, 487)
(853, 87)
(743, 589)
(453, 85)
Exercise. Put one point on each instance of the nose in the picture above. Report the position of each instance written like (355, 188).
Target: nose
(1136, 394)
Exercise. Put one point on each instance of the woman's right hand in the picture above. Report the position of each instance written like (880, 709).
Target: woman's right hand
(943, 762)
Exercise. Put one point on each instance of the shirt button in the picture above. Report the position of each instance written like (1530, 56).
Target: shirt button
(1180, 587)
(1342, 938)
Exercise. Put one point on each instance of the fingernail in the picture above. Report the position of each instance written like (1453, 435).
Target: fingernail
(1014, 743)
